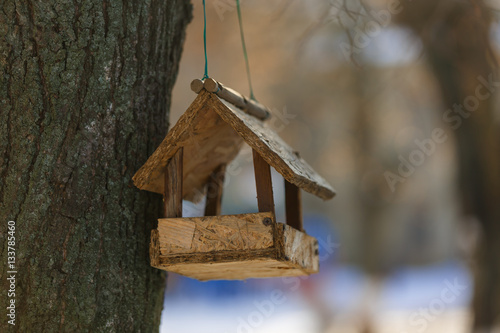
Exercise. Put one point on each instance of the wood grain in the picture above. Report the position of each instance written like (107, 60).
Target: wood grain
(233, 247)
(172, 197)
(299, 248)
(263, 182)
(178, 233)
(215, 233)
(212, 133)
(293, 206)
(274, 150)
(208, 142)
(236, 270)
(215, 187)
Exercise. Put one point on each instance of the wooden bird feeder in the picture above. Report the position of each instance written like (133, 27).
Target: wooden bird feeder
(191, 162)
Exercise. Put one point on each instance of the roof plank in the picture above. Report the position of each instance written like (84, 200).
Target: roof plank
(208, 142)
(274, 150)
(212, 133)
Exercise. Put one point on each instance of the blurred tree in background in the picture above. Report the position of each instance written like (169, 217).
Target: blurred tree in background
(456, 40)
(456, 37)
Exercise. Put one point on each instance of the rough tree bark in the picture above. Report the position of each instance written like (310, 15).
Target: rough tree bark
(84, 97)
(456, 36)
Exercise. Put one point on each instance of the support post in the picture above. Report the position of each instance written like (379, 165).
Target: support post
(172, 193)
(264, 183)
(293, 206)
(215, 187)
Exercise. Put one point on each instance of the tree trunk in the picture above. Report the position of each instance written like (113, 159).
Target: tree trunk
(458, 45)
(84, 97)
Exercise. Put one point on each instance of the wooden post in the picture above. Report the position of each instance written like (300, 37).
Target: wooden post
(215, 187)
(172, 193)
(264, 183)
(293, 206)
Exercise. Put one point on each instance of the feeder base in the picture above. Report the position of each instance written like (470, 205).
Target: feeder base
(232, 247)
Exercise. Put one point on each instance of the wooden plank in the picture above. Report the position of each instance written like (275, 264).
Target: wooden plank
(300, 249)
(263, 183)
(172, 197)
(213, 139)
(177, 232)
(293, 206)
(212, 133)
(236, 270)
(208, 142)
(215, 233)
(154, 249)
(274, 150)
(234, 251)
(215, 187)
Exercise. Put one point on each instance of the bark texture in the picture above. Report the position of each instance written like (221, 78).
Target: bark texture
(84, 97)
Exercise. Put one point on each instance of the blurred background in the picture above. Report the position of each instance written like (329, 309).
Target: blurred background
(395, 104)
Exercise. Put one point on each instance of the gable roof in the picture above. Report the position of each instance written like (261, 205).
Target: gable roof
(212, 133)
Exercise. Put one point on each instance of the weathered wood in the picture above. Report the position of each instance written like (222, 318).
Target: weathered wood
(298, 248)
(275, 151)
(177, 232)
(154, 249)
(215, 187)
(264, 184)
(172, 195)
(216, 233)
(233, 247)
(212, 133)
(208, 142)
(196, 85)
(236, 270)
(250, 106)
(293, 206)
(227, 94)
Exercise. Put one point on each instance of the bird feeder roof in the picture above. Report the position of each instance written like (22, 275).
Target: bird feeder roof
(212, 133)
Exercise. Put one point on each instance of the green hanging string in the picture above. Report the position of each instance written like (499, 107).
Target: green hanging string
(244, 50)
(205, 76)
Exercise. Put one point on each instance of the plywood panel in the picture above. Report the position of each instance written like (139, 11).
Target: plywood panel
(274, 150)
(233, 247)
(212, 134)
(250, 269)
(208, 142)
(264, 184)
(301, 249)
(215, 233)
